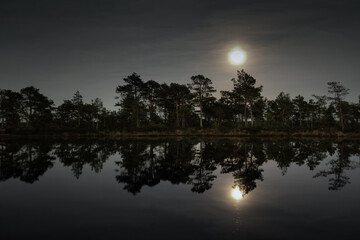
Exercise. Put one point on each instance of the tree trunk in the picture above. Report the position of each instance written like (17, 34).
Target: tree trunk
(177, 114)
(201, 115)
(150, 112)
(183, 120)
(78, 118)
(251, 114)
(341, 117)
(137, 118)
(245, 116)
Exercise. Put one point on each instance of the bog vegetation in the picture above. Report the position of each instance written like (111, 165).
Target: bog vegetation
(145, 106)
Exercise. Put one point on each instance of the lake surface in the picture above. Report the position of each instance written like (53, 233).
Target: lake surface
(180, 189)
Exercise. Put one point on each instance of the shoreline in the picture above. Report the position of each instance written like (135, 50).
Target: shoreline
(186, 134)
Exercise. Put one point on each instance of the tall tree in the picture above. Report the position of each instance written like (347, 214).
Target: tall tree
(300, 107)
(179, 94)
(10, 108)
(203, 89)
(231, 106)
(98, 112)
(339, 92)
(78, 104)
(150, 93)
(66, 116)
(281, 108)
(245, 91)
(37, 107)
(319, 106)
(130, 96)
(164, 101)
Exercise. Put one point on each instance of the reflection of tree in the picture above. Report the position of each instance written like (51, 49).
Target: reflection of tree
(339, 165)
(185, 162)
(244, 162)
(203, 166)
(137, 166)
(299, 152)
(146, 164)
(281, 152)
(77, 155)
(310, 153)
(175, 165)
(27, 162)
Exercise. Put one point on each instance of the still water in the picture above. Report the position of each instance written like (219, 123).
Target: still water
(180, 189)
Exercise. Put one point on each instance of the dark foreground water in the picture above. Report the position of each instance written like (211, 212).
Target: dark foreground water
(180, 189)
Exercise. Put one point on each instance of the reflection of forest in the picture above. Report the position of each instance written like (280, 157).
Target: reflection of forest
(25, 161)
(187, 161)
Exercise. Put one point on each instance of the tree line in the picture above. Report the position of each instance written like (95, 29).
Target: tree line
(151, 106)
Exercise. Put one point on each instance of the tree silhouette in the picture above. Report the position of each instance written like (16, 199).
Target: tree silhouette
(339, 92)
(37, 108)
(148, 106)
(301, 108)
(203, 89)
(246, 92)
(130, 97)
(150, 93)
(10, 109)
(281, 108)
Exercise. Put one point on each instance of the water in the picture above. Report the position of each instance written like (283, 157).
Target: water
(179, 189)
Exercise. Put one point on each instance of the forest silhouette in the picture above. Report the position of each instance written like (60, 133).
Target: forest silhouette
(147, 106)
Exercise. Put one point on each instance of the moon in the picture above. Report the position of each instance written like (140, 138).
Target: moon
(236, 193)
(237, 57)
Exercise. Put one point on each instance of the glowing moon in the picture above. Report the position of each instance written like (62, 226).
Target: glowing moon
(236, 193)
(237, 57)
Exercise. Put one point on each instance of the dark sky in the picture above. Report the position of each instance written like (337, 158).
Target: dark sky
(90, 46)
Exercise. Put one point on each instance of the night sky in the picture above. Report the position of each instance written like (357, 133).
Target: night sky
(90, 46)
